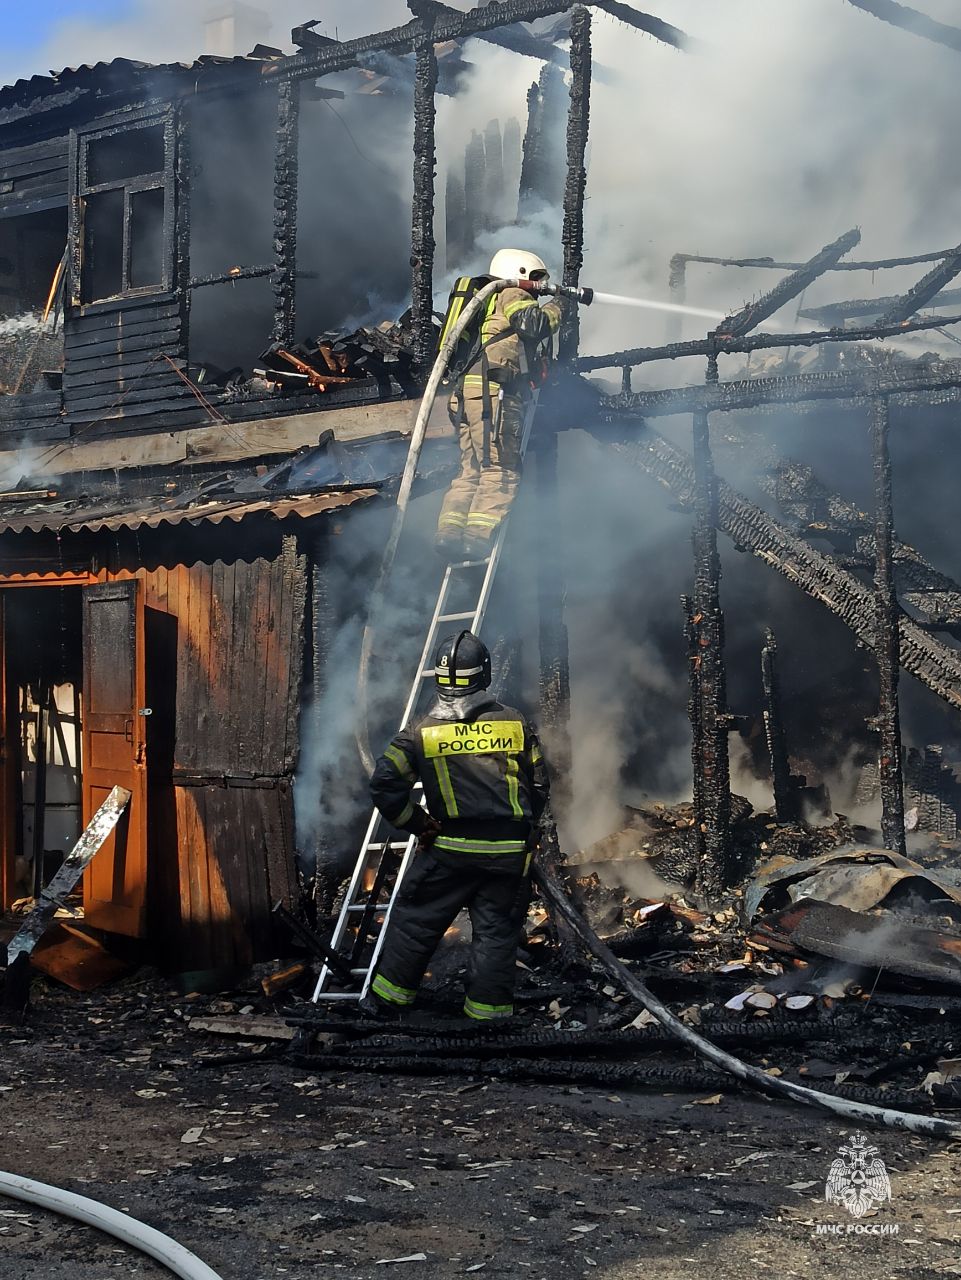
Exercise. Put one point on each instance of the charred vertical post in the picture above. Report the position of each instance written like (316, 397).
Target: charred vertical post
(677, 284)
(710, 753)
(285, 212)
(785, 795)
(182, 197)
(578, 131)
(694, 704)
(887, 638)
(555, 678)
(425, 162)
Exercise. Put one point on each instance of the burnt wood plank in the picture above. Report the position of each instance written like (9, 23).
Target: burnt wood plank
(19, 435)
(131, 310)
(120, 360)
(132, 327)
(113, 374)
(35, 152)
(155, 391)
(140, 419)
(160, 377)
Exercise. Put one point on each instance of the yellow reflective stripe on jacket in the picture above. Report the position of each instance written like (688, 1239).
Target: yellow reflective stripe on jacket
(512, 308)
(512, 795)
(478, 738)
(405, 815)
(455, 844)
(400, 762)
(446, 787)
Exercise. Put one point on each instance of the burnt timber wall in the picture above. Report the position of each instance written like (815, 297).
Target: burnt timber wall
(116, 364)
(33, 178)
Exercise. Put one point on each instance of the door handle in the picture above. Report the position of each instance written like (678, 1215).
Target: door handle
(128, 731)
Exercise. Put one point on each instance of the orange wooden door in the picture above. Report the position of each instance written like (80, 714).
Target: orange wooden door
(114, 752)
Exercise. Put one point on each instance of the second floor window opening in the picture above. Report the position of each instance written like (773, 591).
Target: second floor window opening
(122, 186)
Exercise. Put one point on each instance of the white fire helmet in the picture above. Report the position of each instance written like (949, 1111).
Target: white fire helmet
(518, 264)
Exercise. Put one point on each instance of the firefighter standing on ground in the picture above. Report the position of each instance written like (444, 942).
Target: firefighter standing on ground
(494, 383)
(485, 785)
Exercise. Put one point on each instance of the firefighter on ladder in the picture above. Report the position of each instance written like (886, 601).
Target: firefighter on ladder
(495, 372)
(486, 785)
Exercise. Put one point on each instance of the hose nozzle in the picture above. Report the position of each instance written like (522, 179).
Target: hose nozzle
(584, 296)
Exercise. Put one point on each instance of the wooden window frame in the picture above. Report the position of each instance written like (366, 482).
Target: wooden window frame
(80, 189)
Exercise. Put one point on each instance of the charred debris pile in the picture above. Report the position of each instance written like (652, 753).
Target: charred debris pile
(832, 963)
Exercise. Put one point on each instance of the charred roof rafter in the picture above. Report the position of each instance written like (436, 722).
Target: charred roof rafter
(455, 26)
(911, 20)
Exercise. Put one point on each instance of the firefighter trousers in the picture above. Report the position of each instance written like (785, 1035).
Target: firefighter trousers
(490, 464)
(435, 890)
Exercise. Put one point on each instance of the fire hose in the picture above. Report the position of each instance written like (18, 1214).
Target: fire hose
(470, 312)
(557, 898)
(92, 1213)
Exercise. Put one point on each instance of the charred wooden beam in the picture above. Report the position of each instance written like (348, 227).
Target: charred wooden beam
(786, 806)
(754, 393)
(285, 212)
(514, 39)
(644, 22)
(833, 312)
(774, 264)
(750, 317)
(555, 674)
(803, 498)
(181, 206)
(887, 640)
(918, 24)
(458, 26)
(542, 180)
(578, 130)
(694, 706)
(925, 289)
(423, 244)
(710, 753)
(934, 664)
(228, 277)
(761, 342)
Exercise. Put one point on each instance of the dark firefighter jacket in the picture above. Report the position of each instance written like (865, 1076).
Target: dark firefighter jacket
(484, 781)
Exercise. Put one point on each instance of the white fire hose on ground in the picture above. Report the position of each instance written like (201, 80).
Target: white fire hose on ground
(121, 1226)
(476, 304)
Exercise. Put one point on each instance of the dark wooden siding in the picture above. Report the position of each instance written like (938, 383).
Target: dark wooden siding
(221, 791)
(117, 370)
(33, 178)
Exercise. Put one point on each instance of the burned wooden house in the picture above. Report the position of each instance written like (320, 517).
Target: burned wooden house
(187, 403)
(214, 329)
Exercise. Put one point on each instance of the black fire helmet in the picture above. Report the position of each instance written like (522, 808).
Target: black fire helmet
(462, 665)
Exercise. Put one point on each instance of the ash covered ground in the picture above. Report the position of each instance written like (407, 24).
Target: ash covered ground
(267, 1168)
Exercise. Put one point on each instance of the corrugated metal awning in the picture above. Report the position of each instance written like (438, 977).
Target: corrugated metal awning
(76, 515)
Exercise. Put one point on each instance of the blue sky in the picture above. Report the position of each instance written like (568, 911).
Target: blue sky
(26, 30)
(25, 27)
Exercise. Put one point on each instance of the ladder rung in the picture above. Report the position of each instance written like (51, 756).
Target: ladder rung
(387, 844)
(362, 906)
(427, 675)
(455, 617)
(359, 972)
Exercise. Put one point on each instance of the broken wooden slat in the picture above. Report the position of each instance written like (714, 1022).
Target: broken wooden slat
(54, 896)
(247, 1028)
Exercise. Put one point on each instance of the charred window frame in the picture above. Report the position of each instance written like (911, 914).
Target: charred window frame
(122, 208)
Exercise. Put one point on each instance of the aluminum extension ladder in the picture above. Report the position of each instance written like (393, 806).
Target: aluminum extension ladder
(384, 855)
